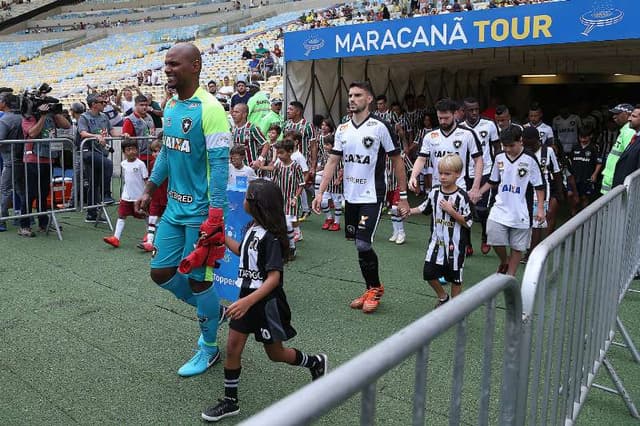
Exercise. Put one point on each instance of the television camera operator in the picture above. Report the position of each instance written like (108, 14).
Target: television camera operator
(42, 116)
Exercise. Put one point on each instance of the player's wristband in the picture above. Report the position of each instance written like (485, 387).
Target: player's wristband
(403, 195)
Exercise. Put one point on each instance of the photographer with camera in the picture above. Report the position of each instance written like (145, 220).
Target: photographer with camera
(40, 122)
(12, 179)
(95, 124)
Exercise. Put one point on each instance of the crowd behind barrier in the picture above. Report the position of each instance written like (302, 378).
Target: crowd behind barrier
(569, 305)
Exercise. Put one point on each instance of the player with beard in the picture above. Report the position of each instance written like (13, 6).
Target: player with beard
(450, 138)
(362, 143)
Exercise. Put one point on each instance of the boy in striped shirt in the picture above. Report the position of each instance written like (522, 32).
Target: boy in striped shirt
(287, 174)
(451, 220)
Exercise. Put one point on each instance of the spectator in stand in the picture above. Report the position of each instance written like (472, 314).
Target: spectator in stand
(125, 101)
(277, 52)
(246, 54)
(212, 87)
(140, 124)
(261, 51)
(155, 110)
(95, 125)
(112, 110)
(268, 64)
(242, 95)
(254, 64)
(227, 88)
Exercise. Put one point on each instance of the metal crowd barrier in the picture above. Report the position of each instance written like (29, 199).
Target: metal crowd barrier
(45, 190)
(104, 164)
(572, 287)
(361, 373)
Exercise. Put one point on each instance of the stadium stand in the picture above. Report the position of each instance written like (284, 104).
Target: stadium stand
(114, 62)
(18, 7)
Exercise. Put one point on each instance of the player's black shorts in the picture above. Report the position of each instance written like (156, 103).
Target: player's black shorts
(433, 271)
(486, 200)
(269, 320)
(586, 188)
(361, 220)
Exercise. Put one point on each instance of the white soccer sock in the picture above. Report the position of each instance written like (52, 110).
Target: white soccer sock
(119, 228)
(151, 229)
(304, 201)
(296, 229)
(292, 243)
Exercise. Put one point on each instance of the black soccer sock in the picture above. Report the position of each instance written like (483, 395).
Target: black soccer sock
(483, 215)
(231, 380)
(304, 360)
(369, 267)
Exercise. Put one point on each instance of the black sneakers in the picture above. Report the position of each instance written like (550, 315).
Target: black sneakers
(441, 302)
(226, 407)
(321, 368)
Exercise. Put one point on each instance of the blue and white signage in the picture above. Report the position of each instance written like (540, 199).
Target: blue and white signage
(547, 23)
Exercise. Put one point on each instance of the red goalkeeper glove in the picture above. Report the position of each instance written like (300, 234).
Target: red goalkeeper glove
(210, 246)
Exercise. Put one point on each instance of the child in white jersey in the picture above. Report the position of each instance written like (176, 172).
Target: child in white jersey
(262, 308)
(238, 168)
(511, 219)
(134, 176)
(451, 220)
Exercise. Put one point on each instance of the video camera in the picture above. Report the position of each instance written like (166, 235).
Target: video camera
(34, 99)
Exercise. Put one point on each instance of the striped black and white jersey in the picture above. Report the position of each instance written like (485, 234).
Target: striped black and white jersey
(512, 208)
(363, 148)
(459, 140)
(449, 238)
(260, 253)
(549, 165)
(487, 133)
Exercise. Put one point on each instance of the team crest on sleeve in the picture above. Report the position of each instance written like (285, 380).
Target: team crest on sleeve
(457, 144)
(186, 124)
(367, 141)
(483, 134)
(522, 172)
(167, 121)
(500, 165)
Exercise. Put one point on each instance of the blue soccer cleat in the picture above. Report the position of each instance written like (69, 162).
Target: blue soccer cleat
(199, 363)
(443, 281)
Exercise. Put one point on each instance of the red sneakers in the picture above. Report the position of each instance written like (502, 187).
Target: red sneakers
(112, 241)
(334, 227)
(485, 248)
(327, 223)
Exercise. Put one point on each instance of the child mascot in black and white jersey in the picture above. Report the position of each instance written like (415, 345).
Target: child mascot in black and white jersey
(262, 308)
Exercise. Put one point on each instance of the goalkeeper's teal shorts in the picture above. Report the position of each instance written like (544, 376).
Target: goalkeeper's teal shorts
(173, 243)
